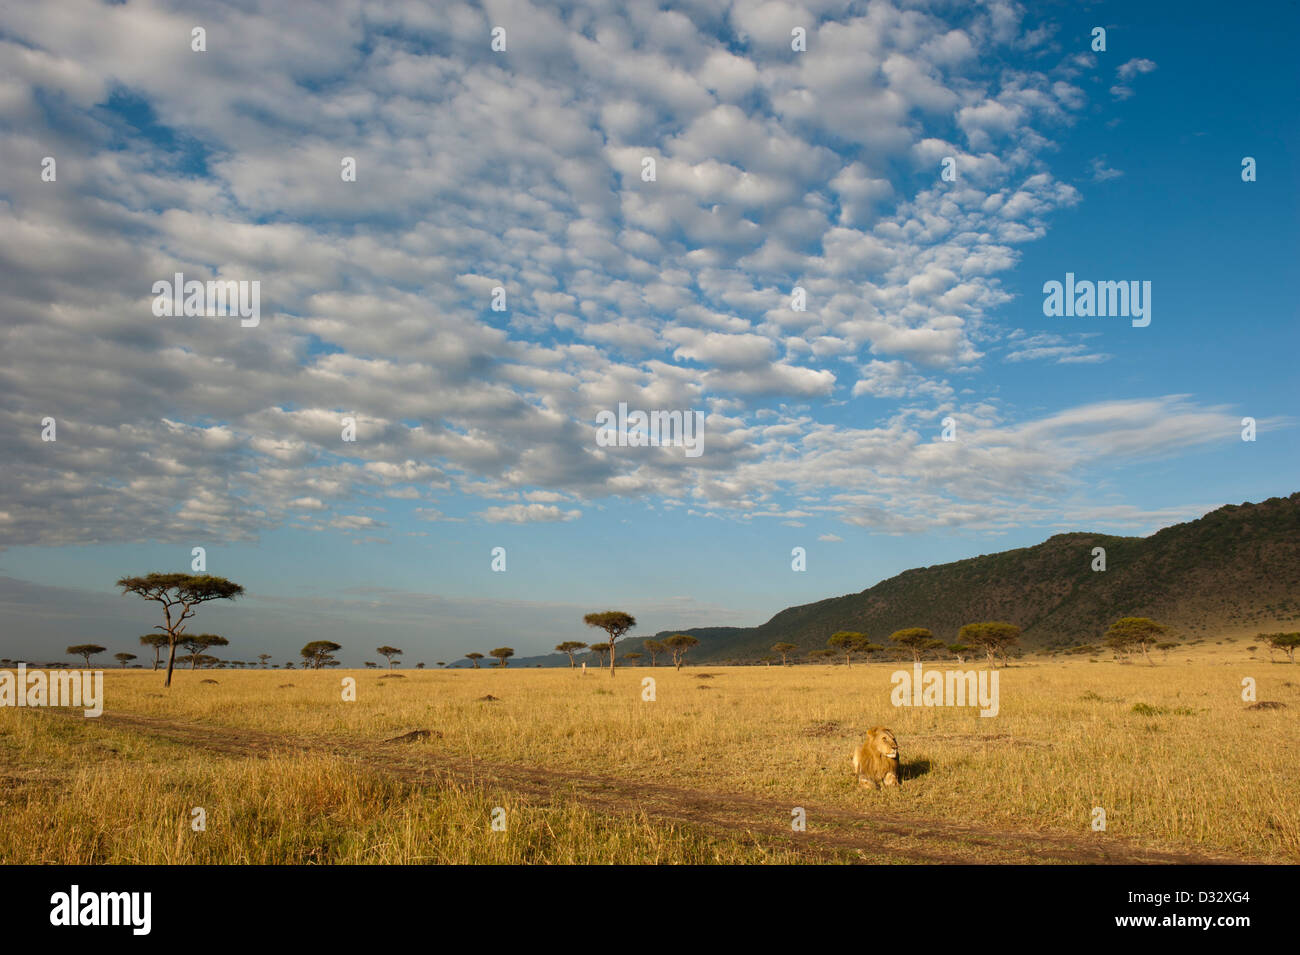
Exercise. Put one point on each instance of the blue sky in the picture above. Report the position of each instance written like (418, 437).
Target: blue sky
(522, 169)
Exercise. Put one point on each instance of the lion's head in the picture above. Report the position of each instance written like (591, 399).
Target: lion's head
(882, 740)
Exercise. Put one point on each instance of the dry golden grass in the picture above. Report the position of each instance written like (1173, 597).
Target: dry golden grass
(131, 801)
(1170, 752)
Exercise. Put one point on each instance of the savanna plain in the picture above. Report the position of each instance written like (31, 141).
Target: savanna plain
(723, 765)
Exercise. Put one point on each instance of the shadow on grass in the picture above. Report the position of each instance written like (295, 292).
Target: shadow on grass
(917, 767)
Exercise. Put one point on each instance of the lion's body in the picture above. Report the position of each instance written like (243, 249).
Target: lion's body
(875, 761)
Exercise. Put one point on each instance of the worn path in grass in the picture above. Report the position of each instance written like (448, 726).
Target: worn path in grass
(832, 833)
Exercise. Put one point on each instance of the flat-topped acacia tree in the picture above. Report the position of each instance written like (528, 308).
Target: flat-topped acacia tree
(679, 644)
(319, 653)
(613, 622)
(86, 650)
(196, 643)
(654, 648)
(993, 638)
(157, 641)
(570, 647)
(847, 641)
(1140, 632)
(915, 640)
(181, 595)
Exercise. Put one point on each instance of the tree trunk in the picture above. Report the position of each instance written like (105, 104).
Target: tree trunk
(171, 662)
(611, 656)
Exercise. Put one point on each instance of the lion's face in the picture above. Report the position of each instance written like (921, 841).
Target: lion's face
(885, 745)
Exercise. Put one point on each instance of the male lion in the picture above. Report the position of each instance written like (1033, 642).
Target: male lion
(876, 761)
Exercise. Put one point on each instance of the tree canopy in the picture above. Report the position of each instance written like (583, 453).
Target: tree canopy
(847, 641)
(570, 647)
(680, 644)
(613, 622)
(85, 651)
(180, 596)
(913, 639)
(1141, 632)
(320, 653)
(785, 649)
(994, 638)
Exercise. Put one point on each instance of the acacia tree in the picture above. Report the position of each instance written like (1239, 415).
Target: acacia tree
(85, 651)
(1286, 642)
(196, 643)
(570, 647)
(1140, 632)
(785, 649)
(181, 594)
(993, 638)
(502, 654)
(679, 644)
(157, 641)
(613, 622)
(388, 653)
(263, 658)
(654, 648)
(600, 649)
(474, 658)
(200, 660)
(632, 656)
(913, 639)
(959, 650)
(320, 653)
(846, 641)
(124, 658)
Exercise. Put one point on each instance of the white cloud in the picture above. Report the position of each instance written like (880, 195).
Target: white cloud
(528, 514)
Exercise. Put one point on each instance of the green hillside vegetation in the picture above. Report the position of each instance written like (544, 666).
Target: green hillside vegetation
(1236, 567)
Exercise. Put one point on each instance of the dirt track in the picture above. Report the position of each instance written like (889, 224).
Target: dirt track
(832, 833)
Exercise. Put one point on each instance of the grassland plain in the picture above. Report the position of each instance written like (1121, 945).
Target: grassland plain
(709, 771)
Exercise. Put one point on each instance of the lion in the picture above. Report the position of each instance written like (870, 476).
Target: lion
(876, 761)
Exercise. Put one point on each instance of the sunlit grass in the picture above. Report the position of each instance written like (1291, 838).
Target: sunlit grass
(1170, 752)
